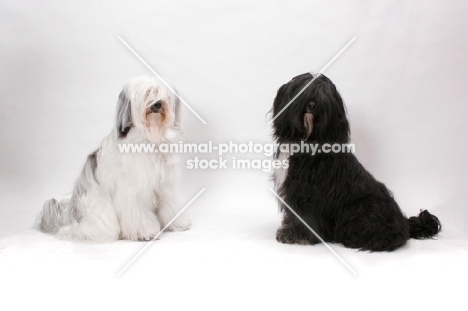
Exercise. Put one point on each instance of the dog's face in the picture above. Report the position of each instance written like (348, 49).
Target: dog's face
(148, 106)
(317, 115)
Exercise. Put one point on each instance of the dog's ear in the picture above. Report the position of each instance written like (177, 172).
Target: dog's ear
(280, 99)
(124, 114)
(288, 124)
(324, 103)
(177, 111)
(280, 128)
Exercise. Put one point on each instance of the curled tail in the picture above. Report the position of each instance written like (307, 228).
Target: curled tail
(424, 226)
(52, 215)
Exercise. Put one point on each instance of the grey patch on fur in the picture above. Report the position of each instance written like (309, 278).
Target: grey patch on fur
(124, 114)
(73, 211)
(88, 176)
(56, 214)
(92, 163)
(51, 217)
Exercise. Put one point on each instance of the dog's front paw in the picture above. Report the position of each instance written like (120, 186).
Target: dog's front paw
(286, 236)
(180, 224)
(147, 238)
(146, 235)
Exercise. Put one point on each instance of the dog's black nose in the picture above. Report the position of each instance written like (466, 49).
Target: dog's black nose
(156, 106)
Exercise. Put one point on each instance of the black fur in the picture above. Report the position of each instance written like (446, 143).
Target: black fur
(333, 192)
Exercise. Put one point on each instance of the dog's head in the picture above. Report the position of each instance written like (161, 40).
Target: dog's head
(317, 114)
(149, 107)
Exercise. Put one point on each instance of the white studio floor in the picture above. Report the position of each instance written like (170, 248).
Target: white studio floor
(229, 260)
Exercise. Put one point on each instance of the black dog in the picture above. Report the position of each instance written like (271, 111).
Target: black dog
(333, 192)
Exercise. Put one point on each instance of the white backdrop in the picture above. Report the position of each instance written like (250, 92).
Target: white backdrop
(403, 80)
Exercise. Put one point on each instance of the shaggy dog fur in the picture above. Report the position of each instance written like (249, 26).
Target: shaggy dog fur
(333, 192)
(125, 195)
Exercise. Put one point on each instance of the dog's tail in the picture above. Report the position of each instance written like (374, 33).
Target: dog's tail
(51, 218)
(424, 226)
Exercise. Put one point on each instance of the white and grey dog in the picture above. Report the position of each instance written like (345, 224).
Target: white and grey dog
(125, 195)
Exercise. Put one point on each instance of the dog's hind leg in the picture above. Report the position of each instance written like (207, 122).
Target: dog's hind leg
(382, 227)
(97, 223)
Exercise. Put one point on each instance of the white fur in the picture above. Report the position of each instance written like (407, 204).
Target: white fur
(125, 195)
(280, 174)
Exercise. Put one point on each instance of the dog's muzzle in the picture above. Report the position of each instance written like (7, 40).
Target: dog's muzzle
(156, 107)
